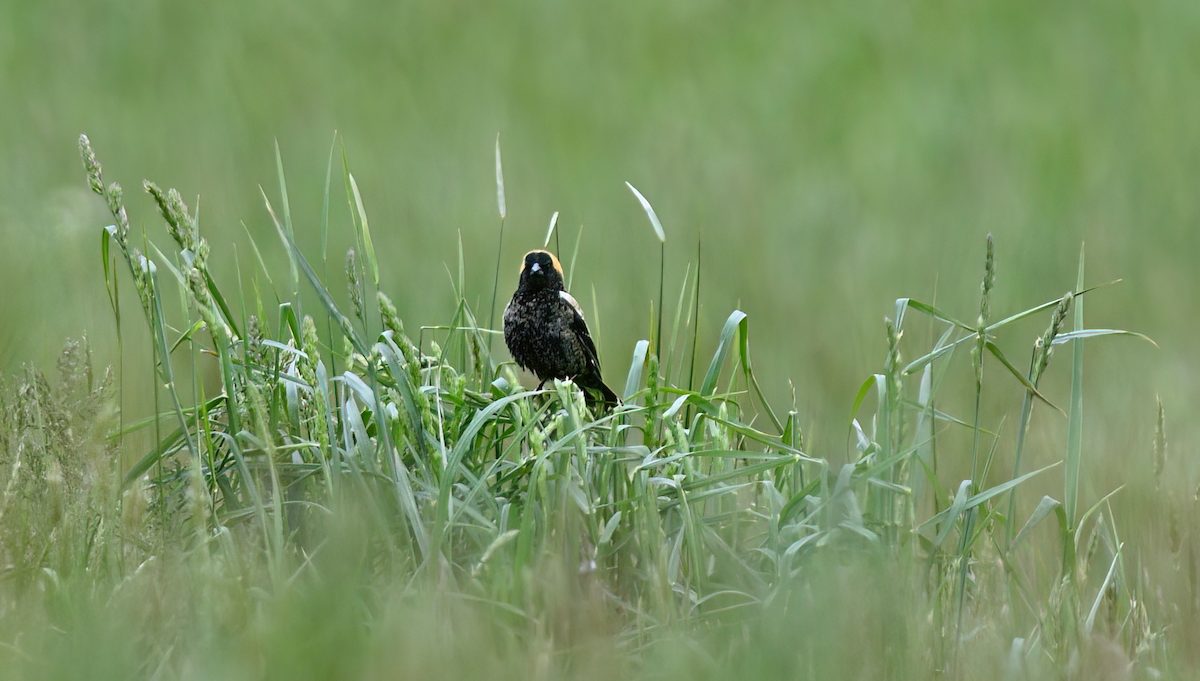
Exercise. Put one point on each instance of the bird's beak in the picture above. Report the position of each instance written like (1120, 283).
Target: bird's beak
(535, 267)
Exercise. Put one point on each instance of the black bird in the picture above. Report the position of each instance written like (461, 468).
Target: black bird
(545, 331)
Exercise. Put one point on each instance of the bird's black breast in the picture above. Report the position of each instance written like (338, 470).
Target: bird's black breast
(539, 334)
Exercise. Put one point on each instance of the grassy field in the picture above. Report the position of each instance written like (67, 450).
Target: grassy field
(832, 159)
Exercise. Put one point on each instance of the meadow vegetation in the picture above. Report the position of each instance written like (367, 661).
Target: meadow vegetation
(360, 499)
(811, 163)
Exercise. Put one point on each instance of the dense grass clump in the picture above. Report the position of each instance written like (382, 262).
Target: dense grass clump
(350, 499)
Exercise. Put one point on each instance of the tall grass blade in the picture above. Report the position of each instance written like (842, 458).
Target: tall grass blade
(287, 211)
(654, 222)
(1075, 421)
(633, 383)
(574, 258)
(550, 230)
(1044, 508)
(325, 202)
(751, 378)
(735, 322)
(500, 182)
(365, 231)
(991, 347)
(500, 204)
(695, 316)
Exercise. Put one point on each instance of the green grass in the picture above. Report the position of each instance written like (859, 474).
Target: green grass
(853, 151)
(333, 494)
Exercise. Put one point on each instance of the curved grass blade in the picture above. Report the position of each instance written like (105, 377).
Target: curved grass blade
(633, 383)
(988, 494)
(1019, 376)
(933, 312)
(325, 200)
(654, 222)
(736, 320)
(1044, 508)
(287, 211)
(550, 231)
(1097, 333)
(751, 379)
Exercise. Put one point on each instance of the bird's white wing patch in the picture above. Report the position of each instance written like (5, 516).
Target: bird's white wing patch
(567, 297)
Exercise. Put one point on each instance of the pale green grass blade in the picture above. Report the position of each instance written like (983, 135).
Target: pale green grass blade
(1019, 449)
(550, 230)
(861, 395)
(752, 469)
(187, 334)
(920, 362)
(1044, 508)
(283, 194)
(574, 257)
(1090, 622)
(991, 347)
(793, 506)
(287, 211)
(500, 203)
(221, 304)
(462, 269)
(403, 380)
(454, 460)
(166, 446)
(987, 494)
(933, 312)
(322, 293)
(1079, 291)
(609, 527)
(597, 333)
(695, 318)
(751, 378)
(365, 231)
(1094, 508)
(1075, 421)
(679, 307)
(736, 320)
(654, 222)
(1097, 333)
(284, 236)
(262, 264)
(325, 200)
(633, 383)
(712, 413)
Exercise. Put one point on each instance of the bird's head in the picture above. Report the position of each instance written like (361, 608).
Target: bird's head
(539, 270)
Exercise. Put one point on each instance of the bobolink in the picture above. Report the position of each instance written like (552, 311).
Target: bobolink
(545, 331)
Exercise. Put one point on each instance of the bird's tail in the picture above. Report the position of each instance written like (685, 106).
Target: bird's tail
(595, 391)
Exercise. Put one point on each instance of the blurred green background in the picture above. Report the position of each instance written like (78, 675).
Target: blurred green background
(834, 156)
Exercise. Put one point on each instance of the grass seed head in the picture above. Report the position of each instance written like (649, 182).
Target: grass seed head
(1160, 443)
(255, 350)
(354, 283)
(180, 224)
(989, 282)
(90, 165)
(1045, 343)
(113, 197)
(308, 343)
(387, 311)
